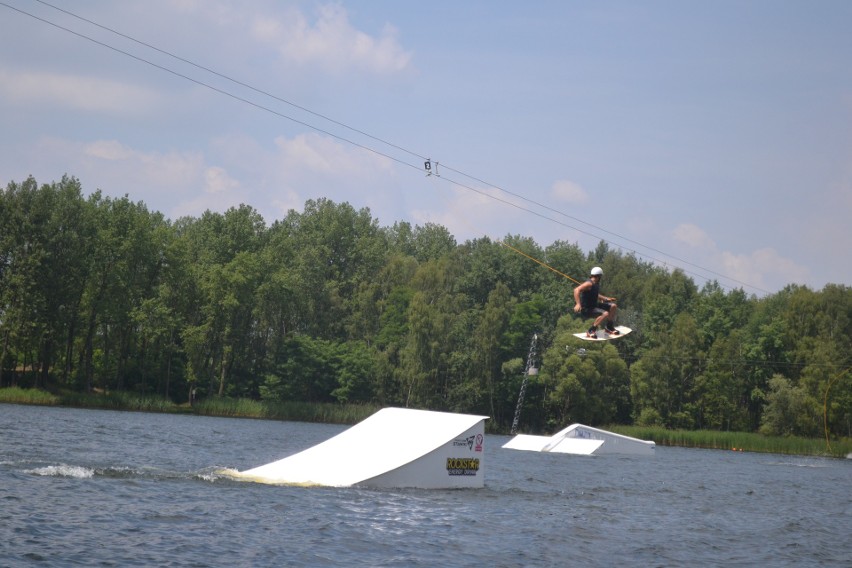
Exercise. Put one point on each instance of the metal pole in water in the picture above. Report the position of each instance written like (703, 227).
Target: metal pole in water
(529, 369)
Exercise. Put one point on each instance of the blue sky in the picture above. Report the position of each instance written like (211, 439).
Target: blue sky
(711, 136)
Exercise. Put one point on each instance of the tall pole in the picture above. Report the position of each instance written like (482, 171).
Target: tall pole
(529, 369)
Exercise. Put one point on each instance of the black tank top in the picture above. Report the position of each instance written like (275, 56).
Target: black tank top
(589, 296)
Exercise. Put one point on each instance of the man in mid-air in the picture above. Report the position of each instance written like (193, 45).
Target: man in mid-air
(590, 303)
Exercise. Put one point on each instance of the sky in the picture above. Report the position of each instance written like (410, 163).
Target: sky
(714, 137)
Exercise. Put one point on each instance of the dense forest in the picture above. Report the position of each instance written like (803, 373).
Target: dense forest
(100, 295)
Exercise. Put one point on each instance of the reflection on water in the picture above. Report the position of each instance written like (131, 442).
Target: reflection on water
(135, 489)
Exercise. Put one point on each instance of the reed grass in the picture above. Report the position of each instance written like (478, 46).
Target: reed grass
(291, 411)
(214, 406)
(108, 401)
(331, 413)
(739, 441)
(119, 401)
(17, 395)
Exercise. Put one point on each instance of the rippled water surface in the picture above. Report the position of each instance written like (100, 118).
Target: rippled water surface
(93, 487)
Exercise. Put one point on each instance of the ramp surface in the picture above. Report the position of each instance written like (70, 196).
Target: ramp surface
(580, 439)
(547, 444)
(395, 447)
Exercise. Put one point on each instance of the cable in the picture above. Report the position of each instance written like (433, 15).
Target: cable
(538, 261)
(362, 146)
(361, 132)
(231, 79)
(547, 207)
(212, 88)
(551, 219)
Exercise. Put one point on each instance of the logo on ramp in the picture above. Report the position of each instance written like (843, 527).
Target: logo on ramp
(462, 466)
(473, 443)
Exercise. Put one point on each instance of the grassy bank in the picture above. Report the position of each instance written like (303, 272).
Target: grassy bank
(352, 413)
(738, 441)
(295, 411)
(229, 407)
(110, 401)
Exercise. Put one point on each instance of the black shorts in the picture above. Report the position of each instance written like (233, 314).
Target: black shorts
(599, 310)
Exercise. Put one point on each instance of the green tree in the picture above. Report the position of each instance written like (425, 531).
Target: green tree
(432, 242)
(487, 339)
(663, 382)
(665, 296)
(719, 313)
(47, 243)
(787, 410)
(765, 352)
(722, 392)
(338, 247)
(22, 258)
(305, 370)
(221, 332)
(590, 386)
(130, 256)
(424, 359)
(355, 373)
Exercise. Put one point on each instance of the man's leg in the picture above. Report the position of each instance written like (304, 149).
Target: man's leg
(611, 316)
(610, 324)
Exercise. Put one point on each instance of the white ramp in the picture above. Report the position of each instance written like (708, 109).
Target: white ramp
(579, 439)
(576, 446)
(395, 447)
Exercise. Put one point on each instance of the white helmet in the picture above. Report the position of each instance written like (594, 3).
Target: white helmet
(596, 271)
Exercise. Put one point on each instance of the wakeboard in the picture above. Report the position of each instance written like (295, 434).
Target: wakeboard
(604, 336)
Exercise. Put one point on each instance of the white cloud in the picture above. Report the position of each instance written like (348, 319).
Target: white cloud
(111, 150)
(170, 171)
(284, 202)
(693, 236)
(331, 42)
(762, 268)
(307, 166)
(455, 214)
(642, 226)
(569, 192)
(471, 214)
(316, 154)
(162, 180)
(218, 202)
(74, 92)
(308, 152)
(757, 270)
(235, 169)
(175, 183)
(217, 180)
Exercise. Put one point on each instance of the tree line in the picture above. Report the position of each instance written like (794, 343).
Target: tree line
(326, 305)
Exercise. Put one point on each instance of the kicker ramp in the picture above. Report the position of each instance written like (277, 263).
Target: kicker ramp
(395, 447)
(579, 439)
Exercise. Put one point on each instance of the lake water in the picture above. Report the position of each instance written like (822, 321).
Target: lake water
(102, 488)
